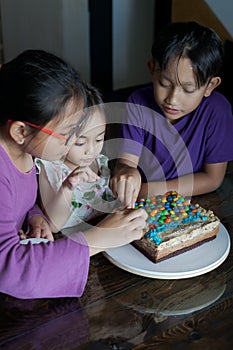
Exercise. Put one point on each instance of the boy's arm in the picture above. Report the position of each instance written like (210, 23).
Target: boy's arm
(189, 185)
(126, 181)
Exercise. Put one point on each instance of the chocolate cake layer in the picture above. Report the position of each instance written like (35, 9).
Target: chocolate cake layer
(151, 255)
(174, 226)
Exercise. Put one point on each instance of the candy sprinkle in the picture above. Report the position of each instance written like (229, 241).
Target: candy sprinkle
(167, 212)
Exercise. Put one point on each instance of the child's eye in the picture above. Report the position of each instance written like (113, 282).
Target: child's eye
(189, 91)
(100, 140)
(163, 84)
(79, 144)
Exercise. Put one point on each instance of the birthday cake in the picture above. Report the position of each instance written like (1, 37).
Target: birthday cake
(174, 225)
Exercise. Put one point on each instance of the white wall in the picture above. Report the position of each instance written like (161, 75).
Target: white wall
(75, 35)
(133, 28)
(62, 27)
(223, 9)
(58, 26)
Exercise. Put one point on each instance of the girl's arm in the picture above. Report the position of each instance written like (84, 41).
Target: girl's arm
(57, 204)
(119, 228)
(189, 185)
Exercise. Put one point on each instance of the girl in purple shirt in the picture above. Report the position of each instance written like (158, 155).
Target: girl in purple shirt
(41, 109)
(177, 133)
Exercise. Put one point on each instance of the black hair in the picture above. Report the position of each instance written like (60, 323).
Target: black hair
(37, 86)
(93, 101)
(94, 96)
(200, 44)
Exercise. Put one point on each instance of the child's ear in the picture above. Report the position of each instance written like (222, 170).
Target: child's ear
(151, 66)
(17, 131)
(214, 82)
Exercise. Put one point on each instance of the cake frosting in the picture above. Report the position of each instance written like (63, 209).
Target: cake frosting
(174, 225)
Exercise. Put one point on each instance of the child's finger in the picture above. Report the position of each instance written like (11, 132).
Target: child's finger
(22, 234)
(47, 234)
(83, 175)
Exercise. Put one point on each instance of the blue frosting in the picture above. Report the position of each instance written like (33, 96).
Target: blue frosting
(153, 234)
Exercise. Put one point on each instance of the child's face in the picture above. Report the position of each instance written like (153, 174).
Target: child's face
(50, 147)
(90, 141)
(178, 97)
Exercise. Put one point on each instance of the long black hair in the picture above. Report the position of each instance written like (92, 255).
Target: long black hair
(37, 86)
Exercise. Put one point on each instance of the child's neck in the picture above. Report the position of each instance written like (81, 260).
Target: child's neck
(70, 165)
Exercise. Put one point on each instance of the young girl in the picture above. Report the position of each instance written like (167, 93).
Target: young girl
(178, 130)
(41, 103)
(77, 189)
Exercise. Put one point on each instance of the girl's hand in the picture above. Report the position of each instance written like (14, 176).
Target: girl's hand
(22, 235)
(39, 228)
(119, 228)
(78, 176)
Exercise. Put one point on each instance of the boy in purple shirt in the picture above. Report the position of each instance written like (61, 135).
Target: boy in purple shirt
(177, 133)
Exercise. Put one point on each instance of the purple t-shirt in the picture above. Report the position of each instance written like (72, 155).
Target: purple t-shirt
(45, 270)
(167, 151)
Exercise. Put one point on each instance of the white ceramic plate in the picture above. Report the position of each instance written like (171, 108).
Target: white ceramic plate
(195, 262)
(34, 240)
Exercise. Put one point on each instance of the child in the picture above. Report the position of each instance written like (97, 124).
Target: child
(77, 189)
(178, 131)
(41, 103)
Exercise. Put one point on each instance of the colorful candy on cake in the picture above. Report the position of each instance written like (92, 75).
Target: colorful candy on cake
(174, 225)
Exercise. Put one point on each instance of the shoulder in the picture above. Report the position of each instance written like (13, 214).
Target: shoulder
(47, 164)
(143, 96)
(214, 109)
(215, 113)
(7, 166)
(217, 101)
(55, 171)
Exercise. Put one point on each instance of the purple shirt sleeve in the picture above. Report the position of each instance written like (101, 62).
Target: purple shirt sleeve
(36, 211)
(45, 270)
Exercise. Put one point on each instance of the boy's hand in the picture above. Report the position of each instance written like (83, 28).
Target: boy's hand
(79, 176)
(126, 185)
(39, 228)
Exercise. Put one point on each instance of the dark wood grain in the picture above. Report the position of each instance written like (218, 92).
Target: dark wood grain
(119, 310)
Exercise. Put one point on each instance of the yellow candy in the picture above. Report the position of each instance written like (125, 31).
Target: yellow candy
(154, 212)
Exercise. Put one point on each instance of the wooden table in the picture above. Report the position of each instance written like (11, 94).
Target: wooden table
(120, 310)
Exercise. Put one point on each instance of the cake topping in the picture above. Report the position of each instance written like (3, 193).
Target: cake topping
(167, 212)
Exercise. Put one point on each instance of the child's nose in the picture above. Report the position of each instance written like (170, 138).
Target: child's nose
(172, 97)
(90, 148)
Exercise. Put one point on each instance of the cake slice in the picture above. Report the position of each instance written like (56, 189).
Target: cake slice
(174, 226)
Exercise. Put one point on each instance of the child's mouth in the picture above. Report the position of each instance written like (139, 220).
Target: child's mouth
(170, 110)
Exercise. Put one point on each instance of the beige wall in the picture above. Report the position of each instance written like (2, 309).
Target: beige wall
(199, 11)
